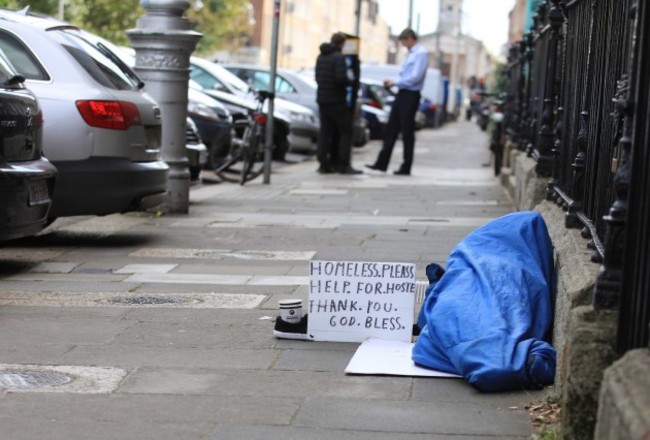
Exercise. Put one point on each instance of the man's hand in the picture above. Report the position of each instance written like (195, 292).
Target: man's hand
(388, 83)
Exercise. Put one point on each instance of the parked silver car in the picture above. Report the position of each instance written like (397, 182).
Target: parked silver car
(304, 124)
(289, 85)
(26, 177)
(101, 131)
(210, 118)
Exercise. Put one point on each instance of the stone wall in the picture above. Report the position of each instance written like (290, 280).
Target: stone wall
(624, 411)
(583, 338)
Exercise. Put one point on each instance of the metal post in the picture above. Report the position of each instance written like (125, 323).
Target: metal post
(357, 18)
(268, 147)
(163, 41)
(410, 14)
(543, 153)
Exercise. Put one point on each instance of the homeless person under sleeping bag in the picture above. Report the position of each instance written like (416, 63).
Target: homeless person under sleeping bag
(487, 315)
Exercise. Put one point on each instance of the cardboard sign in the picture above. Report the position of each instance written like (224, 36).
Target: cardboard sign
(350, 301)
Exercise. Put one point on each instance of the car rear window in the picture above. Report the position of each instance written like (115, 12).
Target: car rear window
(97, 59)
(22, 58)
(5, 70)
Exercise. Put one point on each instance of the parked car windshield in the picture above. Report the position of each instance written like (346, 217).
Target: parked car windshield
(261, 80)
(218, 78)
(97, 60)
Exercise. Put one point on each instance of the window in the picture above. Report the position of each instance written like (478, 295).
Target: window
(283, 86)
(22, 59)
(261, 80)
(206, 80)
(6, 72)
(97, 59)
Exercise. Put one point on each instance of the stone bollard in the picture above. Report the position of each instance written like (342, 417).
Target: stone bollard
(163, 41)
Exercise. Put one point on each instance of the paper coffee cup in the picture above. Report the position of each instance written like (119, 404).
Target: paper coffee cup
(291, 310)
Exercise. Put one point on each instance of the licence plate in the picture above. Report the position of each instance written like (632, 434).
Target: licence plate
(38, 193)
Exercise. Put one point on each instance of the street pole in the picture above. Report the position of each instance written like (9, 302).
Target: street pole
(410, 14)
(268, 147)
(357, 19)
(163, 41)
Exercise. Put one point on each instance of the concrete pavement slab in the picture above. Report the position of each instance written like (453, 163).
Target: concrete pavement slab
(131, 358)
(440, 418)
(251, 383)
(220, 373)
(238, 432)
(128, 416)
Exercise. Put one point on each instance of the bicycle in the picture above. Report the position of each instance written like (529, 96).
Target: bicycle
(245, 158)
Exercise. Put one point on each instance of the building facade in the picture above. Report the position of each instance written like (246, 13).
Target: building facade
(305, 25)
(458, 56)
(517, 21)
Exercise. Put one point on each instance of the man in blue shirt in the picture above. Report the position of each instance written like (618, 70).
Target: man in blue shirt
(402, 114)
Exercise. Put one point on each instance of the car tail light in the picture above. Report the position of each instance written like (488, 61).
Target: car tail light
(114, 115)
(38, 119)
(260, 118)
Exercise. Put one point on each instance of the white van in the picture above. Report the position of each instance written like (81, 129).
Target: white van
(433, 85)
(433, 90)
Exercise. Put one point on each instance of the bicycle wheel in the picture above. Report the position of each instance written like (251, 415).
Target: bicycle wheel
(229, 168)
(252, 159)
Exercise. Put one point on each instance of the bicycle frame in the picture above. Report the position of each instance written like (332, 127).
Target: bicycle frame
(248, 148)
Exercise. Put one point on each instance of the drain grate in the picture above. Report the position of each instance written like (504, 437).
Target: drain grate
(148, 300)
(28, 379)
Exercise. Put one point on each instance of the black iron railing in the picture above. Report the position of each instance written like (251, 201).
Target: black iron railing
(578, 104)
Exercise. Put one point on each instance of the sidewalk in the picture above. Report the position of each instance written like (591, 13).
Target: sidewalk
(167, 318)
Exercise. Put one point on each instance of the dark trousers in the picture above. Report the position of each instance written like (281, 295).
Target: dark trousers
(401, 119)
(335, 137)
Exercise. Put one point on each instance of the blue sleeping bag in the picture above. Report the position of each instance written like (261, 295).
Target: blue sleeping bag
(486, 317)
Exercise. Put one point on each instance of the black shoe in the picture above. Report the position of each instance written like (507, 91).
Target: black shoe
(288, 330)
(375, 168)
(401, 172)
(325, 169)
(349, 171)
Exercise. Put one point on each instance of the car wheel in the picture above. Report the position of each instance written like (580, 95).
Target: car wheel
(217, 152)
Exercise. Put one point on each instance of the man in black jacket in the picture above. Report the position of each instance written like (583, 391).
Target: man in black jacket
(336, 115)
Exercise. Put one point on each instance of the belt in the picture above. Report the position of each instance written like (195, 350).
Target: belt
(408, 91)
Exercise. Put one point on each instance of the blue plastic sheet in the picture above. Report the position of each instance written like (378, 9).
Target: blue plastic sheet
(487, 316)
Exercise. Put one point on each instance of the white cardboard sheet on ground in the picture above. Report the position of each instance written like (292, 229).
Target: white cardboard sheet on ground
(377, 356)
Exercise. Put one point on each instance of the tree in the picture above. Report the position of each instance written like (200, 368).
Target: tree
(107, 18)
(48, 7)
(223, 23)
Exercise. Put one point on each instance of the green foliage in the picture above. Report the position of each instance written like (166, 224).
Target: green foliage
(500, 78)
(49, 7)
(108, 18)
(223, 23)
(549, 433)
